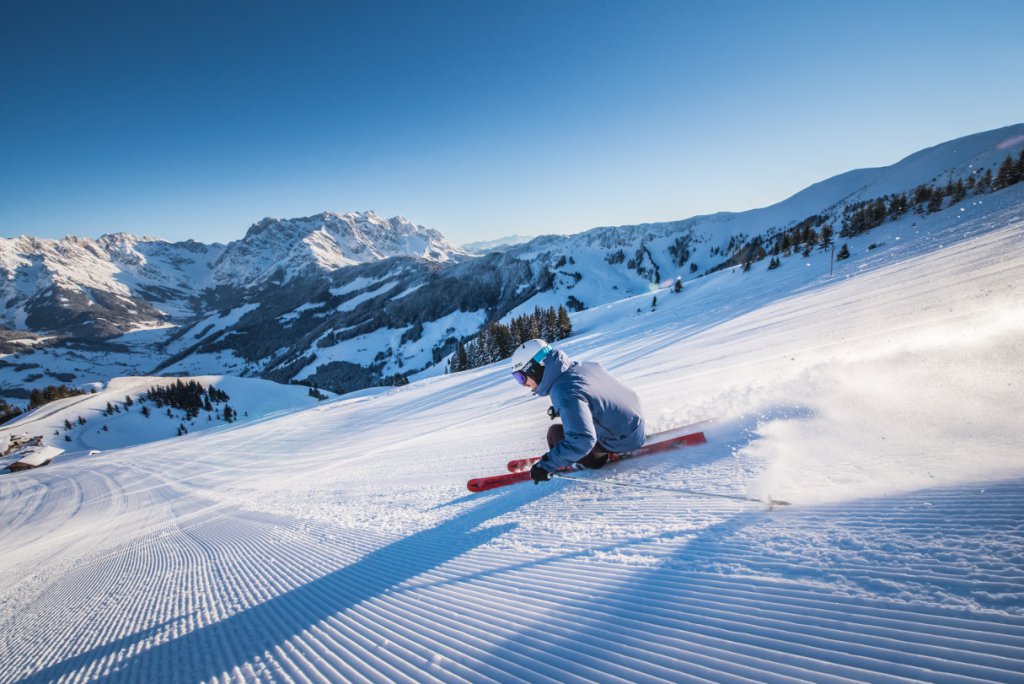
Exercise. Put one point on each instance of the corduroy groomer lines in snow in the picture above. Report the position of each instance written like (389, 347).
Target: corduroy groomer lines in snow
(338, 543)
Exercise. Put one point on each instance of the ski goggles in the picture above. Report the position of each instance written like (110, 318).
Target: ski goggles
(520, 376)
(530, 368)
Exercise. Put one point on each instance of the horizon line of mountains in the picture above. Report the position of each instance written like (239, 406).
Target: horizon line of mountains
(345, 301)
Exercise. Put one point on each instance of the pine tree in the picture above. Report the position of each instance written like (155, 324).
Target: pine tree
(551, 318)
(145, 410)
(502, 340)
(1007, 174)
(959, 191)
(678, 287)
(985, 182)
(67, 424)
(564, 323)
(826, 237)
(922, 193)
(532, 328)
(460, 361)
(898, 206)
(843, 253)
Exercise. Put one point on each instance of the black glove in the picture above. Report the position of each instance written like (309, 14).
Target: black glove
(552, 412)
(538, 474)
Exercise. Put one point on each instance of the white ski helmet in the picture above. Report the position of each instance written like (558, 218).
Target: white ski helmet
(528, 360)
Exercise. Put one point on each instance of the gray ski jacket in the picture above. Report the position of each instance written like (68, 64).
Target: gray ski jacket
(594, 407)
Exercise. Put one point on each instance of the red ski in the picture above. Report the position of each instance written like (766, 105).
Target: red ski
(482, 484)
(656, 443)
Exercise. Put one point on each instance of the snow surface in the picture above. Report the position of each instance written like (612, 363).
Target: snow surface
(251, 398)
(338, 543)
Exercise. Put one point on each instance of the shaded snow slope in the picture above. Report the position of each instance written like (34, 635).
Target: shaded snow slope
(339, 543)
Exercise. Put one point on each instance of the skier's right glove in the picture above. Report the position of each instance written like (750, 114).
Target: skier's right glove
(538, 474)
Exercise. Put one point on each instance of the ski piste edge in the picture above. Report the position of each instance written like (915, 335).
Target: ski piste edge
(483, 484)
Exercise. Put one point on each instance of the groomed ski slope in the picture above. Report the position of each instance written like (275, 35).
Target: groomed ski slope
(339, 544)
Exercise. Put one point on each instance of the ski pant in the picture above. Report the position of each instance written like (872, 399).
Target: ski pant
(597, 457)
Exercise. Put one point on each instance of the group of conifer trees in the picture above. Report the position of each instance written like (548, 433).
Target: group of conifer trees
(497, 341)
(39, 397)
(930, 198)
(8, 412)
(190, 397)
(861, 217)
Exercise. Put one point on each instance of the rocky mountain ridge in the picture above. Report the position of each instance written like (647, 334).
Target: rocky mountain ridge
(95, 289)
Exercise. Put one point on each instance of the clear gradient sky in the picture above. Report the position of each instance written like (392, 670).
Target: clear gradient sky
(193, 119)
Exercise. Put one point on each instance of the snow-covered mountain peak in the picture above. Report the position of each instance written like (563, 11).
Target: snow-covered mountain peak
(497, 245)
(100, 287)
(120, 281)
(291, 248)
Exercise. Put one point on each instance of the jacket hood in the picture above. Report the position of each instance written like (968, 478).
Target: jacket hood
(555, 364)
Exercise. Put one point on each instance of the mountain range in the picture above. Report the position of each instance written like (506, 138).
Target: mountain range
(345, 301)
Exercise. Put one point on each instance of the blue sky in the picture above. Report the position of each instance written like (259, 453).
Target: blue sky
(481, 119)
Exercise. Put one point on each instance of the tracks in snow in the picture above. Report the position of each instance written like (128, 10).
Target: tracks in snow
(823, 594)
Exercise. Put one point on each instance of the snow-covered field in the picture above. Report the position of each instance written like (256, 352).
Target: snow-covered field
(92, 426)
(338, 543)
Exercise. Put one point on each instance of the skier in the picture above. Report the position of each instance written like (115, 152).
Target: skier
(599, 414)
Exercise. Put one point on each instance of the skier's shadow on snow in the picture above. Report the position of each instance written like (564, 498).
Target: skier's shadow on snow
(249, 635)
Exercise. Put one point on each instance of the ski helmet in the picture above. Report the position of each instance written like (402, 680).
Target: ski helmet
(528, 360)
